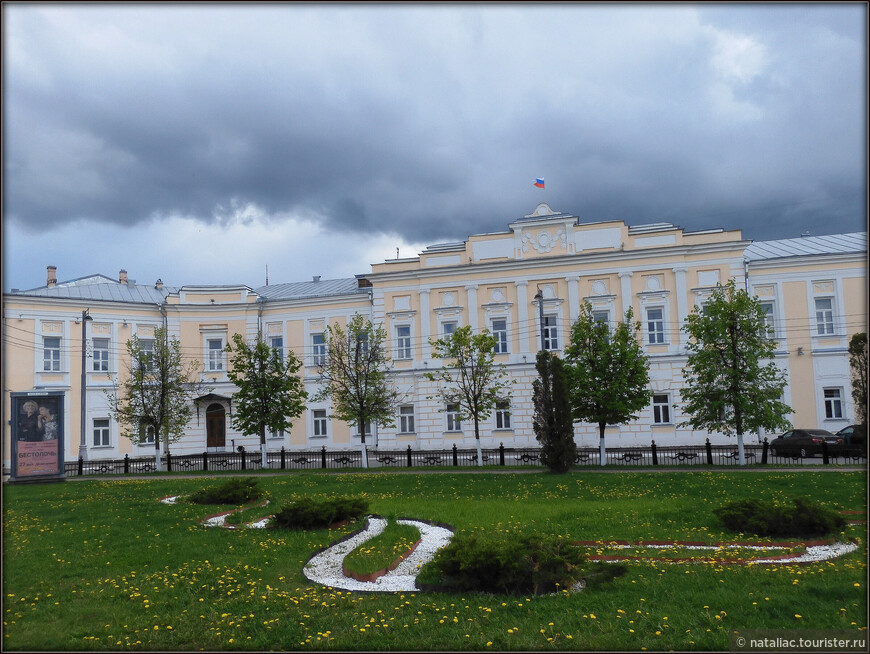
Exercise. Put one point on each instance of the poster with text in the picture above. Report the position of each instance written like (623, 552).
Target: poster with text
(37, 434)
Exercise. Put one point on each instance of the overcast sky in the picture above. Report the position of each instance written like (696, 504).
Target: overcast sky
(201, 143)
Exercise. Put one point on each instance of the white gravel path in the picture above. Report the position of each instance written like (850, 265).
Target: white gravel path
(326, 567)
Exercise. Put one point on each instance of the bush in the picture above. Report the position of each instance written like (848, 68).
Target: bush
(313, 514)
(805, 518)
(516, 565)
(233, 491)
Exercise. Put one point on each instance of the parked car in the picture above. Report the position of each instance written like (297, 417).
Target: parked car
(804, 442)
(854, 440)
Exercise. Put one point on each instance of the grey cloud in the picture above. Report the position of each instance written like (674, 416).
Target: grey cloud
(433, 122)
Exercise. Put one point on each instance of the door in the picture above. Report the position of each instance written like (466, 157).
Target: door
(215, 426)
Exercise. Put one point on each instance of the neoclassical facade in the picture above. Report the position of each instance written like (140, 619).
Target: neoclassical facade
(547, 263)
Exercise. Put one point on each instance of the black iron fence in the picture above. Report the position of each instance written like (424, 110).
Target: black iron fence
(652, 455)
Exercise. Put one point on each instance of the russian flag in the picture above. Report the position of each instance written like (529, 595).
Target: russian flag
(539, 182)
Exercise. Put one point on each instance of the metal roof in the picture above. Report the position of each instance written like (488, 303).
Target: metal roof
(110, 291)
(807, 245)
(320, 288)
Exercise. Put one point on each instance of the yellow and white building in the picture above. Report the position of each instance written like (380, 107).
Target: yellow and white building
(813, 288)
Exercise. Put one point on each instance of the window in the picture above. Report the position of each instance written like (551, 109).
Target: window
(146, 354)
(403, 342)
(767, 308)
(824, 316)
(602, 317)
(51, 353)
(368, 427)
(655, 325)
(363, 341)
(499, 332)
(453, 421)
(276, 433)
(406, 419)
(833, 403)
(101, 432)
(215, 354)
(320, 422)
(447, 328)
(146, 434)
(661, 409)
(277, 343)
(551, 333)
(101, 355)
(502, 414)
(318, 349)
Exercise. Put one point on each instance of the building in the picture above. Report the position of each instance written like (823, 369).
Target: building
(814, 290)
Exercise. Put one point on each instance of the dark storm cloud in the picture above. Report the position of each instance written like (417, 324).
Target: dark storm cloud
(432, 122)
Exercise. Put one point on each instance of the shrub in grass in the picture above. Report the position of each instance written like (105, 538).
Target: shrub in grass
(312, 514)
(235, 490)
(805, 518)
(515, 565)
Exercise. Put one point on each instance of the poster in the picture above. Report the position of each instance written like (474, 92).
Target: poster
(37, 435)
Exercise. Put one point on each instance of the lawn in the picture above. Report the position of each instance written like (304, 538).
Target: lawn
(104, 565)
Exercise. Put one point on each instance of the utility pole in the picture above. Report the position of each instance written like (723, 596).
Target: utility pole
(539, 296)
(83, 447)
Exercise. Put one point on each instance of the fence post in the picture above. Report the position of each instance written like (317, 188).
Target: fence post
(323, 457)
(126, 464)
(501, 454)
(455, 456)
(81, 466)
(764, 446)
(244, 459)
(205, 461)
(168, 461)
(825, 458)
(655, 456)
(409, 457)
(709, 453)
(283, 458)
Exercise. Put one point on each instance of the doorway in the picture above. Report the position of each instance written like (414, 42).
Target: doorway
(215, 426)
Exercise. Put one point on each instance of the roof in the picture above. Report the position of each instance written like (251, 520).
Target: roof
(855, 242)
(311, 289)
(109, 291)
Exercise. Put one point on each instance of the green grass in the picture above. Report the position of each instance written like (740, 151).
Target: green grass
(104, 565)
(381, 551)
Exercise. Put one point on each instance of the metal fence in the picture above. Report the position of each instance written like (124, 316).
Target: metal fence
(652, 455)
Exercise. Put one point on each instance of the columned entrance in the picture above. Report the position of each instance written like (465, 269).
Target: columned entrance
(215, 426)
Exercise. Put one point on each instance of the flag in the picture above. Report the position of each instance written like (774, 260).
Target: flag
(539, 182)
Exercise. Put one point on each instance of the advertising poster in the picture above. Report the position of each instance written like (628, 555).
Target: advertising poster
(37, 435)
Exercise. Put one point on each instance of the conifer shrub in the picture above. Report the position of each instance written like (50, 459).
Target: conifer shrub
(308, 513)
(805, 518)
(235, 490)
(514, 565)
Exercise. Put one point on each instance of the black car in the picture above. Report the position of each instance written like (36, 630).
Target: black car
(854, 440)
(804, 442)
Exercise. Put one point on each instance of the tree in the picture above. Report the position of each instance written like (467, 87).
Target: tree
(728, 387)
(155, 397)
(858, 363)
(553, 425)
(469, 377)
(354, 375)
(608, 372)
(270, 393)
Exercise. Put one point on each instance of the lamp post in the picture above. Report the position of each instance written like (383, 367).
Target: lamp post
(83, 448)
(539, 296)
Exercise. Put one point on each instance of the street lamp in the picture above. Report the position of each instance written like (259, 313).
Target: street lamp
(83, 448)
(539, 296)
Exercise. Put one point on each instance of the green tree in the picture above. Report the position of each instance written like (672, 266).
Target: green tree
(858, 363)
(553, 425)
(155, 398)
(729, 388)
(355, 375)
(469, 378)
(608, 372)
(270, 393)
